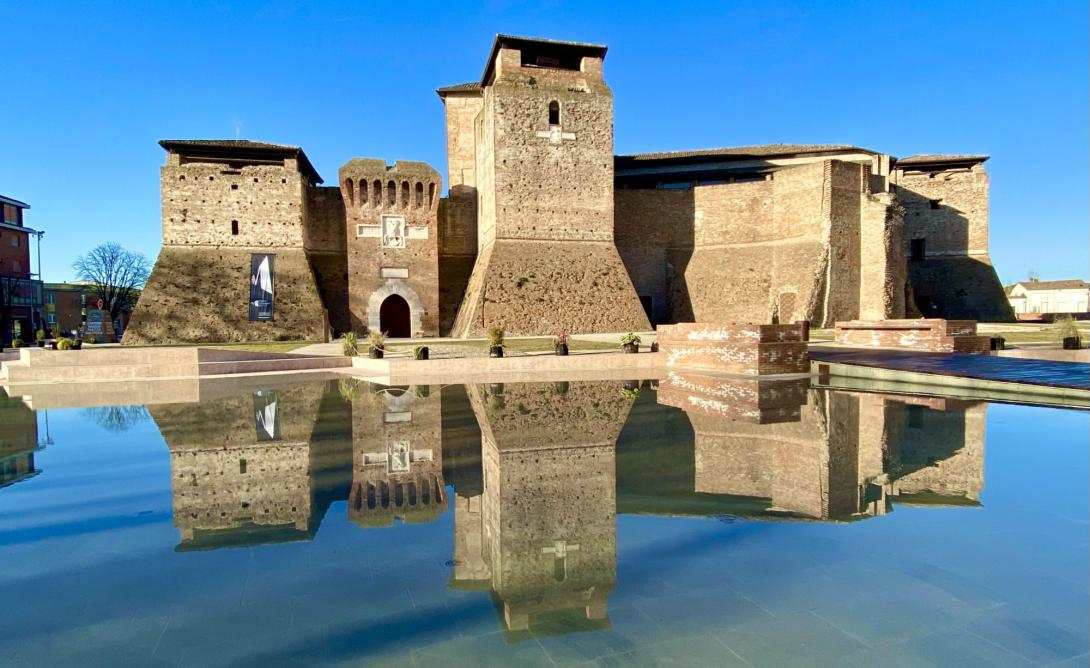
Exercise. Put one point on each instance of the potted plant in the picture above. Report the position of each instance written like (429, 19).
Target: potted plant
(631, 343)
(420, 352)
(495, 342)
(39, 336)
(560, 343)
(631, 385)
(350, 345)
(77, 344)
(375, 345)
(1065, 329)
(17, 343)
(421, 391)
(65, 343)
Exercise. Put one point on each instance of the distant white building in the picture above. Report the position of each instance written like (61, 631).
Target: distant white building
(1033, 296)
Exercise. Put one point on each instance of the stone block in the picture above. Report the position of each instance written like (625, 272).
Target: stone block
(752, 350)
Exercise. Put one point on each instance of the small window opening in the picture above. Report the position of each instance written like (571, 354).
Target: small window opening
(351, 196)
(431, 194)
(554, 113)
(419, 195)
(234, 231)
(405, 194)
(918, 249)
(376, 193)
(242, 466)
(234, 186)
(391, 193)
(363, 193)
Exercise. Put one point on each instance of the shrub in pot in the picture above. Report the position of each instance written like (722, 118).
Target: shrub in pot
(630, 343)
(1065, 329)
(39, 336)
(495, 342)
(420, 353)
(17, 343)
(560, 343)
(350, 345)
(376, 345)
(65, 343)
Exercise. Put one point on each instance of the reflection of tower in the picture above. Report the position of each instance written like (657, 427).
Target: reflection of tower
(18, 440)
(837, 456)
(548, 512)
(240, 467)
(397, 456)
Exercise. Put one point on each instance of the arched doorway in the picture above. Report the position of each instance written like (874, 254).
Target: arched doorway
(394, 317)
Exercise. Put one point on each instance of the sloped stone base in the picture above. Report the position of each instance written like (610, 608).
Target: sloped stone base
(961, 288)
(529, 287)
(198, 295)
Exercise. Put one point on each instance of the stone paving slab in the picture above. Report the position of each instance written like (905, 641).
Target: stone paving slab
(1072, 375)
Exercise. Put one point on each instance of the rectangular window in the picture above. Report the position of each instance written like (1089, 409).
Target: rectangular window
(51, 318)
(15, 241)
(918, 250)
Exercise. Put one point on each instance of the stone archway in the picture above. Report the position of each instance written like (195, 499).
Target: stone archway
(377, 301)
(395, 318)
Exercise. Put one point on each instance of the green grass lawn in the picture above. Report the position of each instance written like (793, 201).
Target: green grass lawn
(260, 346)
(510, 346)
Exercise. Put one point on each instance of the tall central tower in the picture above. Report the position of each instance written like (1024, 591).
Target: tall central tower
(543, 173)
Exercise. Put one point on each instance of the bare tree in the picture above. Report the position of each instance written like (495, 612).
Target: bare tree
(117, 275)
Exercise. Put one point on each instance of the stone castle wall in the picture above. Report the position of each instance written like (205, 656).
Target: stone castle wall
(782, 249)
(948, 209)
(546, 258)
(392, 241)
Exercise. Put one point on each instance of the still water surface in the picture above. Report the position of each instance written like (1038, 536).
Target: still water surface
(688, 523)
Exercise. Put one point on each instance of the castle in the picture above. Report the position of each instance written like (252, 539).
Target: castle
(544, 228)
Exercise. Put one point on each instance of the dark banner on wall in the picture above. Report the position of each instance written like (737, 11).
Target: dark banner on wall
(261, 286)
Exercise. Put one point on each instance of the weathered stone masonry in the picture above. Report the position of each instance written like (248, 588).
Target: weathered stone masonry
(545, 229)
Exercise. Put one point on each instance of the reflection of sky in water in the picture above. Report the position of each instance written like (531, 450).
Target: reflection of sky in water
(98, 567)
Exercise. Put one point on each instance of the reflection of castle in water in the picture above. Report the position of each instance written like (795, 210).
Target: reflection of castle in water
(779, 447)
(540, 470)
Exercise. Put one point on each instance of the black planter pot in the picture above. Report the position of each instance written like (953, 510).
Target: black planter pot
(78, 345)
(41, 344)
(632, 385)
(53, 344)
(495, 351)
(632, 348)
(1072, 343)
(422, 354)
(998, 343)
(655, 347)
(561, 349)
(375, 353)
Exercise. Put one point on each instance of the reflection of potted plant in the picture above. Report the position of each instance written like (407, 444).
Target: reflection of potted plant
(631, 343)
(348, 389)
(421, 391)
(375, 345)
(420, 352)
(39, 336)
(350, 345)
(561, 387)
(495, 342)
(632, 385)
(560, 343)
(630, 394)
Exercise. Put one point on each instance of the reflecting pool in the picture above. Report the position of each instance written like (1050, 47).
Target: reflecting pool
(692, 521)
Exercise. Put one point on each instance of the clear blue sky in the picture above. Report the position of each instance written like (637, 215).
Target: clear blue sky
(90, 88)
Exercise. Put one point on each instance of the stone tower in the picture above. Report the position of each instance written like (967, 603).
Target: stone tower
(393, 256)
(543, 173)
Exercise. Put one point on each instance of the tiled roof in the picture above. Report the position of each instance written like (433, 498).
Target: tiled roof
(225, 147)
(468, 87)
(937, 158)
(742, 152)
(1067, 284)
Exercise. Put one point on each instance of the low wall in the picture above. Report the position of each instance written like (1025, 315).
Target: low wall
(929, 334)
(752, 350)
